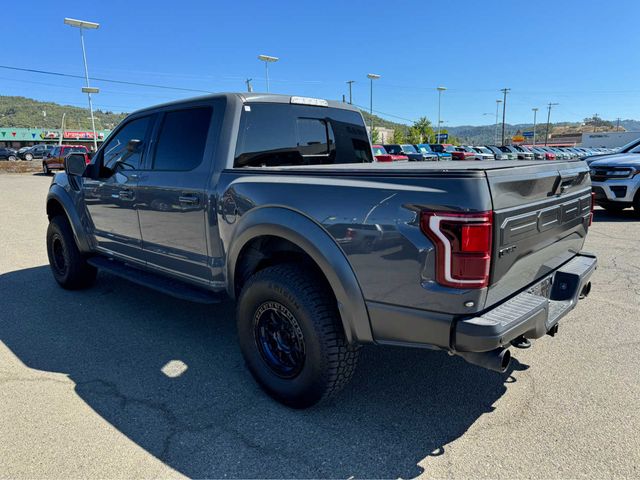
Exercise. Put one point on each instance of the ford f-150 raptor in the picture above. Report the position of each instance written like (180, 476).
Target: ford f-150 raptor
(275, 201)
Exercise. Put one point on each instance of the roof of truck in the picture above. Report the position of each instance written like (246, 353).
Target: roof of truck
(246, 97)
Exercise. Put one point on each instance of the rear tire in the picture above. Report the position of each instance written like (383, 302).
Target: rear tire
(28, 157)
(291, 336)
(69, 267)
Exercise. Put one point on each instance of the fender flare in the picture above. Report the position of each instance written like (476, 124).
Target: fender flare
(323, 250)
(61, 196)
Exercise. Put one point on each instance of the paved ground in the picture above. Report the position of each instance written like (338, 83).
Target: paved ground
(92, 384)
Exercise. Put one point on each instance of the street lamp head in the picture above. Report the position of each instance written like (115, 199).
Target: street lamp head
(441, 89)
(534, 109)
(373, 76)
(498, 101)
(81, 23)
(268, 58)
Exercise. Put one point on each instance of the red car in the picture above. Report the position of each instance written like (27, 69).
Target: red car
(55, 158)
(382, 155)
(460, 153)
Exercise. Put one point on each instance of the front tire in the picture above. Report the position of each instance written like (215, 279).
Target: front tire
(291, 336)
(69, 267)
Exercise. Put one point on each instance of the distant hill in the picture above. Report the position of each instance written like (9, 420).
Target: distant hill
(22, 112)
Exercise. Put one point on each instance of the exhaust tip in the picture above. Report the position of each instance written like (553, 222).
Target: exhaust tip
(585, 291)
(497, 360)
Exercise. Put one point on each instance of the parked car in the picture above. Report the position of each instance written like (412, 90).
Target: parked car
(537, 155)
(54, 160)
(616, 182)
(238, 197)
(631, 147)
(425, 149)
(547, 155)
(35, 152)
(405, 149)
(523, 153)
(382, 156)
(443, 152)
(465, 153)
(500, 155)
(485, 153)
(8, 154)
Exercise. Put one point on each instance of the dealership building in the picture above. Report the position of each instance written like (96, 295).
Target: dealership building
(23, 137)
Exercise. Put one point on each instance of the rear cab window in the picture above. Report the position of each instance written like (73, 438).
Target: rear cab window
(279, 134)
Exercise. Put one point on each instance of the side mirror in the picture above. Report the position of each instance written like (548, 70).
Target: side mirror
(75, 164)
(133, 145)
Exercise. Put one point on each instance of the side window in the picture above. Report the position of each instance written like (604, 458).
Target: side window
(118, 152)
(182, 139)
(55, 152)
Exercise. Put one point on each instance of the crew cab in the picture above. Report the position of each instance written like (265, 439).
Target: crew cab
(275, 201)
(381, 155)
(616, 182)
(54, 159)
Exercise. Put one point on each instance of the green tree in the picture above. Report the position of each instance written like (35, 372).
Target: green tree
(423, 126)
(399, 136)
(414, 136)
(375, 135)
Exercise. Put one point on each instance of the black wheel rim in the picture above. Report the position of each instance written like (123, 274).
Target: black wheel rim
(57, 254)
(279, 339)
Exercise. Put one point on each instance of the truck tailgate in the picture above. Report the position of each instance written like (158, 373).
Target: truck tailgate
(541, 217)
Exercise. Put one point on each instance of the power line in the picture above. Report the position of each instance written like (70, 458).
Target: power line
(108, 80)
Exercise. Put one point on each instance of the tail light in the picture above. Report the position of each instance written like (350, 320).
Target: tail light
(463, 247)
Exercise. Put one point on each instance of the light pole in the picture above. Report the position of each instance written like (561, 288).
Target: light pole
(546, 137)
(504, 110)
(350, 82)
(495, 135)
(535, 113)
(371, 77)
(440, 90)
(267, 60)
(64, 114)
(81, 24)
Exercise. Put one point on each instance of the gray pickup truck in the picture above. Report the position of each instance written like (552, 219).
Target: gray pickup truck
(276, 202)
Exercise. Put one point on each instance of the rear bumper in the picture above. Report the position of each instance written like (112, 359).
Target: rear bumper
(532, 313)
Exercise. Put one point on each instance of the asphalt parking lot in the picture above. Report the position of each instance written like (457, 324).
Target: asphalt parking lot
(121, 381)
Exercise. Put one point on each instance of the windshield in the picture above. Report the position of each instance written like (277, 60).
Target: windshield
(483, 150)
(409, 149)
(379, 151)
(450, 148)
(424, 148)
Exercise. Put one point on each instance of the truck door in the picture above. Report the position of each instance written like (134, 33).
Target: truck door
(111, 200)
(172, 203)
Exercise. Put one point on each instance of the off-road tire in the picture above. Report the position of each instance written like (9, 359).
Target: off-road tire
(69, 267)
(329, 361)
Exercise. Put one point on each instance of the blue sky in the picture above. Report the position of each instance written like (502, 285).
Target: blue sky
(582, 55)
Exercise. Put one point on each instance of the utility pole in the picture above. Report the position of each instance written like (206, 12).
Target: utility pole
(350, 82)
(618, 124)
(249, 87)
(371, 77)
(495, 135)
(504, 110)
(595, 122)
(535, 113)
(440, 90)
(546, 139)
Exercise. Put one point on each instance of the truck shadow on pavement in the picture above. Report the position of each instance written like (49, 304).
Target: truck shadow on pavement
(127, 347)
(627, 215)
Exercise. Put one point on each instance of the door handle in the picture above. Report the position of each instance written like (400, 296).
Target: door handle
(189, 199)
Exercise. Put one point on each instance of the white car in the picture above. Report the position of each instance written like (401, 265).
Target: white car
(616, 182)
